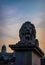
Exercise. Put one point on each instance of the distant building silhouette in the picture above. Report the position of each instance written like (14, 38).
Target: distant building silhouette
(6, 58)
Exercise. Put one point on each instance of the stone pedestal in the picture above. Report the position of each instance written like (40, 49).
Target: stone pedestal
(27, 55)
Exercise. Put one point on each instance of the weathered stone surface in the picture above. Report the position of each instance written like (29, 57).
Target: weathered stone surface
(27, 34)
(27, 31)
(23, 58)
(35, 59)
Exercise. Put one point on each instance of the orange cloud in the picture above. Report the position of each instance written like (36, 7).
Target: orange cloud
(41, 38)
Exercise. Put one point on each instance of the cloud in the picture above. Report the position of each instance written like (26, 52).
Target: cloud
(10, 30)
(41, 25)
(7, 13)
(42, 22)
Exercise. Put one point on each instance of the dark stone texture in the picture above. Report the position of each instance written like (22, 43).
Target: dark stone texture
(27, 34)
(23, 58)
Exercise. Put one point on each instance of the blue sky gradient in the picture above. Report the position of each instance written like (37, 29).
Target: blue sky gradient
(13, 13)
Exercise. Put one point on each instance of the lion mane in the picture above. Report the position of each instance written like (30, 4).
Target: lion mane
(27, 27)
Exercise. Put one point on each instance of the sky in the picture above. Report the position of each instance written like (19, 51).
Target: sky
(13, 13)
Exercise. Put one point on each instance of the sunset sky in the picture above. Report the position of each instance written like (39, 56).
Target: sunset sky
(13, 13)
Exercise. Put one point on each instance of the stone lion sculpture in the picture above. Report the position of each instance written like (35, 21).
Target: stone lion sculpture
(27, 33)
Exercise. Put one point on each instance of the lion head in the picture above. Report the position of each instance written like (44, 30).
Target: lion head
(27, 31)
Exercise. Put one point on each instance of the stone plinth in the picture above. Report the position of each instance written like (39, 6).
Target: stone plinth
(27, 55)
